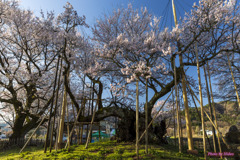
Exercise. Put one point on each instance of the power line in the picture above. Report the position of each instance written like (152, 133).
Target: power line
(164, 14)
(178, 3)
(167, 15)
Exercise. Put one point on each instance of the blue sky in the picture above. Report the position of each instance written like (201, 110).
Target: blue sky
(94, 9)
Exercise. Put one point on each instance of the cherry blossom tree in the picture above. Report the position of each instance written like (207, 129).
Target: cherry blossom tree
(70, 42)
(220, 70)
(130, 46)
(27, 60)
(126, 46)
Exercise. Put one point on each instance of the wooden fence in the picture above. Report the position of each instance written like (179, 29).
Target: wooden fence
(197, 143)
(7, 144)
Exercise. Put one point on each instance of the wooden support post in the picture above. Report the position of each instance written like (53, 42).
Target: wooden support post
(146, 118)
(187, 115)
(32, 134)
(201, 102)
(192, 93)
(73, 127)
(90, 130)
(55, 109)
(180, 125)
(211, 110)
(199, 115)
(93, 86)
(214, 110)
(137, 120)
(211, 120)
(50, 115)
(234, 82)
(177, 108)
(174, 124)
(69, 138)
(62, 117)
(83, 105)
(75, 120)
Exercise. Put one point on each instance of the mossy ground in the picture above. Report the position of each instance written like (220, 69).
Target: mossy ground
(99, 150)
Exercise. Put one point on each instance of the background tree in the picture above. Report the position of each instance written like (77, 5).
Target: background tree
(27, 58)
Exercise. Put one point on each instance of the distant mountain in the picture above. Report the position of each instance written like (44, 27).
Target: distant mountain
(227, 113)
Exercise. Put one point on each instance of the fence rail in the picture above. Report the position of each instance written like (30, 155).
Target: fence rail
(8, 144)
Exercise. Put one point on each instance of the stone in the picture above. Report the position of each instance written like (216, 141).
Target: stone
(233, 135)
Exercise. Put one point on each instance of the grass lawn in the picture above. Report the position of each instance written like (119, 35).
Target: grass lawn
(98, 150)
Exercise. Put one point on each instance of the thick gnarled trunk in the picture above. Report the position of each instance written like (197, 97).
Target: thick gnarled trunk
(17, 129)
(20, 129)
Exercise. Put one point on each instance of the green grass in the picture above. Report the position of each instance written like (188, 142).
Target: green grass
(99, 150)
